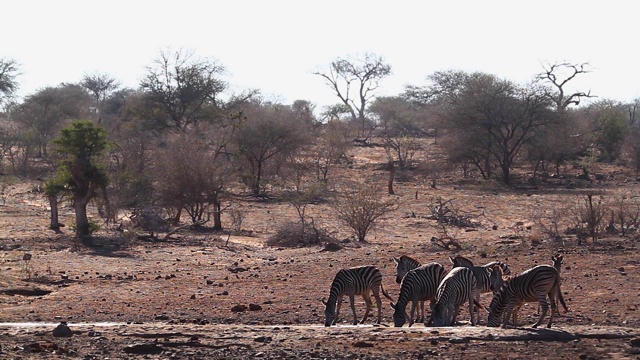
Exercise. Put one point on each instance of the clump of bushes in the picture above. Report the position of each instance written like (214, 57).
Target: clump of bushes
(298, 234)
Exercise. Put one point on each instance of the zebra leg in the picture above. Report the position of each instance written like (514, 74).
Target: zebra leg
(421, 312)
(367, 301)
(379, 304)
(471, 306)
(353, 309)
(413, 311)
(554, 308)
(338, 303)
(545, 307)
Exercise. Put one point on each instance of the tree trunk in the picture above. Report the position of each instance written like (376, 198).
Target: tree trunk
(55, 224)
(82, 222)
(217, 215)
(392, 175)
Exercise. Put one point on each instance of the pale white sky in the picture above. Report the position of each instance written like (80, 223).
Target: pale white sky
(274, 45)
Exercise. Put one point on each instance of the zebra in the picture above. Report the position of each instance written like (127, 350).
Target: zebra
(361, 280)
(458, 287)
(535, 284)
(418, 285)
(484, 282)
(404, 264)
(556, 261)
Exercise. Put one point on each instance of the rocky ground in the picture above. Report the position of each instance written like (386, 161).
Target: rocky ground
(205, 295)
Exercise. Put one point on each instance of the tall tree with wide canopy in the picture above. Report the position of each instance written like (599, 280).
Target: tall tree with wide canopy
(181, 86)
(362, 74)
(487, 118)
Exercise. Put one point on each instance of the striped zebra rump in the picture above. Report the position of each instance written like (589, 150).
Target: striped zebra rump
(362, 280)
(418, 285)
(535, 284)
(404, 264)
(456, 289)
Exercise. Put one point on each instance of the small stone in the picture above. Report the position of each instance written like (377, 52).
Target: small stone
(62, 330)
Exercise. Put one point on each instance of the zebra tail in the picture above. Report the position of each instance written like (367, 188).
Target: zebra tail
(562, 300)
(385, 293)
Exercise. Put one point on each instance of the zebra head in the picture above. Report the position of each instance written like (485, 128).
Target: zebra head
(329, 312)
(498, 305)
(495, 278)
(439, 315)
(399, 315)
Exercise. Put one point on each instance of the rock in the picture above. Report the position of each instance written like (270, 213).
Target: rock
(263, 339)
(239, 308)
(255, 307)
(635, 342)
(62, 330)
(362, 344)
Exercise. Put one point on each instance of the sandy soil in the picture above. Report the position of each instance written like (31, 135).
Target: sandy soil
(198, 297)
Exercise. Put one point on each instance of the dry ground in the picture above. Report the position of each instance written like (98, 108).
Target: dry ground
(198, 297)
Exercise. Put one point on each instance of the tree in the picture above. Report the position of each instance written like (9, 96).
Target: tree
(181, 87)
(488, 119)
(267, 135)
(100, 86)
(610, 126)
(80, 144)
(363, 74)
(556, 76)
(48, 110)
(360, 209)
(8, 74)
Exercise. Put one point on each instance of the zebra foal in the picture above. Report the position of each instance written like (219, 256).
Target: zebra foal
(418, 285)
(457, 288)
(361, 280)
(535, 284)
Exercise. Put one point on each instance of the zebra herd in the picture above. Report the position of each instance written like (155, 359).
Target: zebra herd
(448, 292)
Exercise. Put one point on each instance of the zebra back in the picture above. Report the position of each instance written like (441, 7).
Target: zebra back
(354, 281)
(532, 285)
(419, 284)
(484, 281)
(404, 264)
(455, 289)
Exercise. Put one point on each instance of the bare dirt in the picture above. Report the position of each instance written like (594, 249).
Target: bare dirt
(199, 297)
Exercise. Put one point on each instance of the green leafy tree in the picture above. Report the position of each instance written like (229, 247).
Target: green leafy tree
(8, 74)
(80, 144)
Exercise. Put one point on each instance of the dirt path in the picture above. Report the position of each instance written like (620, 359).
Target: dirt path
(157, 340)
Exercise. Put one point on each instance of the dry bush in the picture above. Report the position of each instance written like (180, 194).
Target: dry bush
(294, 234)
(589, 216)
(548, 222)
(360, 209)
(625, 213)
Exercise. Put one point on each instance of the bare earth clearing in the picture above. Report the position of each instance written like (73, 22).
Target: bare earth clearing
(195, 297)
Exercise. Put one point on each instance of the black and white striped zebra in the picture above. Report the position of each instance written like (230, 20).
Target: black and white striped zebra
(484, 283)
(457, 288)
(362, 280)
(418, 285)
(556, 261)
(404, 264)
(536, 284)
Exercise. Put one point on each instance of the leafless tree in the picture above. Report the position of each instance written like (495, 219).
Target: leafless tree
(355, 82)
(360, 209)
(556, 76)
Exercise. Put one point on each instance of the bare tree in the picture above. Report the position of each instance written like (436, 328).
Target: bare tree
(556, 76)
(100, 85)
(360, 209)
(362, 74)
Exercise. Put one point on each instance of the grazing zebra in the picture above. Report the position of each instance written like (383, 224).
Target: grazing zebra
(458, 287)
(418, 285)
(362, 280)
(404, 264)
(483, 274)
(535, 284)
